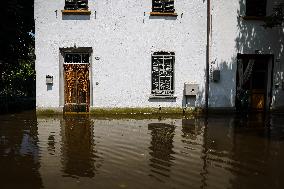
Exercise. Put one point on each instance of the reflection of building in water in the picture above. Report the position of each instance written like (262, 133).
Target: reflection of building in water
(258, 151)
(218, 145)
(78, 146)
(161, 149)
(207, 148)
(19, 153)
(194, 166)
(67, 150)
(191, 128)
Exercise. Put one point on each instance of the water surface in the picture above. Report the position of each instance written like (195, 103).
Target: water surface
(85, 152)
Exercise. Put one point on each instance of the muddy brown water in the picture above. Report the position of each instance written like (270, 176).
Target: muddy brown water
(85, 152)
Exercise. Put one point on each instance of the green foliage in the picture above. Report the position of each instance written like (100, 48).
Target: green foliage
(17, 74)
(16, 26)
(18, 80)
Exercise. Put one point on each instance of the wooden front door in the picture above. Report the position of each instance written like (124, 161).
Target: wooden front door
(76, 88)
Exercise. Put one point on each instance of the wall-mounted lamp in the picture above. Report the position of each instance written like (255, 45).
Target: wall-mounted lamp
(49, 79)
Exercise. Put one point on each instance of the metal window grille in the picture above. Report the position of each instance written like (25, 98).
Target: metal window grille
(76, 5)
(163, 6)
(163, 74)
(255, 7)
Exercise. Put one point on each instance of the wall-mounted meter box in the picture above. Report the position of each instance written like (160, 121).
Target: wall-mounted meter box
(190, 89)
(216, 75)
(49, 80)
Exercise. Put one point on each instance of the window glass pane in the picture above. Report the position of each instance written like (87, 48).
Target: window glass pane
(255, 7)
(163, 6)
(82, 4)
(76, 4)
(85, 58)
(76, 58)
(68, 58)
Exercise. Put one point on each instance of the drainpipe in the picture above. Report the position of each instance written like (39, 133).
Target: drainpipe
(207, 55)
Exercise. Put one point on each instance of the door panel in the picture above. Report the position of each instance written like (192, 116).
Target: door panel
(76, 88)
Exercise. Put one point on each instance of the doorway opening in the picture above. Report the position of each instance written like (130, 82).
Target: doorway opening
(254, 81)
(76, 82)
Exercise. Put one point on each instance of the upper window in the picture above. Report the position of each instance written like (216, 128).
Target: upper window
(76, 5)
(256, 8)
(163, 74)
(164, 6)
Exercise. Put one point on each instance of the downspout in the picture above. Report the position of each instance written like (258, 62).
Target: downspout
(207, 55)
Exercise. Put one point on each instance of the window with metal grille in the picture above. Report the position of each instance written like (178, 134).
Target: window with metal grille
(76, 5)
(256, 8)
(165, 6)
(163, 73)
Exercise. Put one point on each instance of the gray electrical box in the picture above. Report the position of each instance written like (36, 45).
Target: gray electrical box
(190, 89)
(49, 80)
(216, 75)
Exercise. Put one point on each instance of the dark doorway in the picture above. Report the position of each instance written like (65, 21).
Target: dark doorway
(254, 81)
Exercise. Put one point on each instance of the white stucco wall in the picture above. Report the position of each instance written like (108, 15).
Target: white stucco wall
(231, 34)
(123, 36)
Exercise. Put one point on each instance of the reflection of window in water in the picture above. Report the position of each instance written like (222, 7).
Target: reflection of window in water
(78, 147)
(161, 149)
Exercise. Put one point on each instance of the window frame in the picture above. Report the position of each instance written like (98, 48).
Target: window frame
(172, 83)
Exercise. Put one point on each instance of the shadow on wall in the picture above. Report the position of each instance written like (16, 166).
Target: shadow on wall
(222, 91)
(163, 17)
(162, 100)
(253, 36)
(76, 17)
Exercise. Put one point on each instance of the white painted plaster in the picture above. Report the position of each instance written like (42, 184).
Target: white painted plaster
(231, 35)
(123, 39)
(123, 36)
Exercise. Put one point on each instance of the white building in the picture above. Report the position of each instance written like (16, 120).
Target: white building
(152, 53)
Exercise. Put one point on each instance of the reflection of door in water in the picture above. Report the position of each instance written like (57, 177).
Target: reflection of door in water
(76, 88)
(78, 147)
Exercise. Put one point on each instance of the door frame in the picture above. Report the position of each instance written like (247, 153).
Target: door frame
(270, 73)
(62, 52)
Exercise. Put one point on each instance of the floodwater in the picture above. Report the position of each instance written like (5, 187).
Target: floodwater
(85, 152)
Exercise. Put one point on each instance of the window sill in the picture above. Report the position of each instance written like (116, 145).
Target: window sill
(76, 12)
(163, 14)
(162, 97)
(259, 18)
